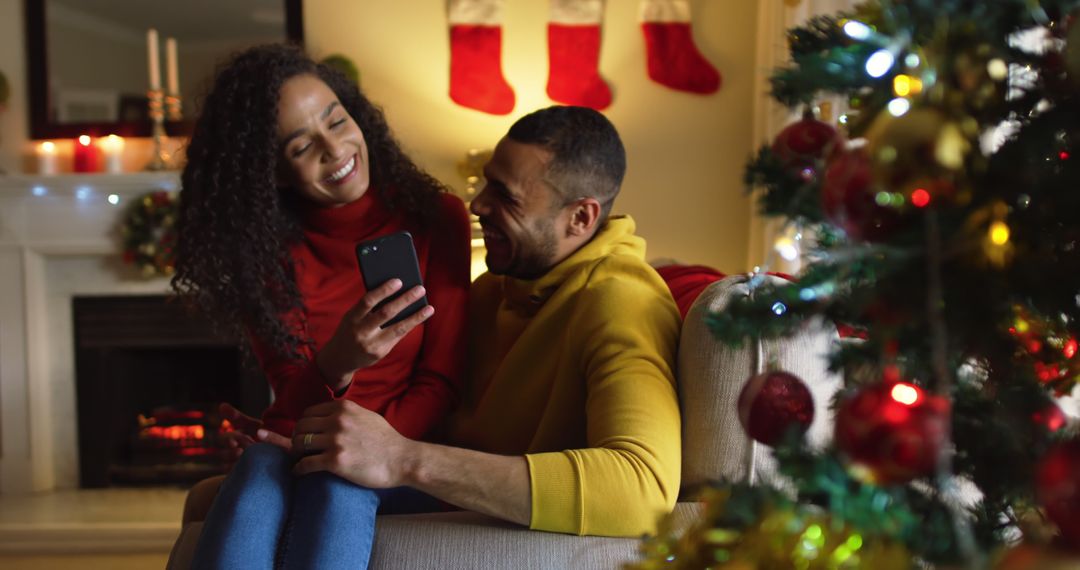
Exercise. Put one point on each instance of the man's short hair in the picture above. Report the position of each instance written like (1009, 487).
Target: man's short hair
(588, 158)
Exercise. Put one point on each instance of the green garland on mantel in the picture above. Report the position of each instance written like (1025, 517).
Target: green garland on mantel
(149, 233)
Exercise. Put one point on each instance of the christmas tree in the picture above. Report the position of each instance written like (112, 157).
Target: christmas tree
(945, 207)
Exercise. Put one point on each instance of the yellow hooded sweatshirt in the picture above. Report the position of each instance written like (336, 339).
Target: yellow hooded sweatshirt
(575, 369)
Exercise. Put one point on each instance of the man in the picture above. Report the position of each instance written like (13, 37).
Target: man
(570, 419)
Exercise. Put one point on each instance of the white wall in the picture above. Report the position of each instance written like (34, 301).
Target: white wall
(686, 152)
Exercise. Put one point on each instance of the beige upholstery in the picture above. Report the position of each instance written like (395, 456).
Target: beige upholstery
(714, 446)
(711, 375)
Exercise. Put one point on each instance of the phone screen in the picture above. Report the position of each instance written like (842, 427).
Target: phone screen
(388, 257)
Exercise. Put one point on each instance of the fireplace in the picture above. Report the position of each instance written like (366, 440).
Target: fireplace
(148, 379)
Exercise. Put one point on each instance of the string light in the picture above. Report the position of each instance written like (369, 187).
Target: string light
(920, 198)
(997, 69)
(999, 233)
(880, 63)
(787, 248)
(113, 199)
(906, 394)
(857, 30)
(899, 106)
(779, 308)
(904, 85)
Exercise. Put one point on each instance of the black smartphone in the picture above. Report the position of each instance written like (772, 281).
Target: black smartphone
(388, 257)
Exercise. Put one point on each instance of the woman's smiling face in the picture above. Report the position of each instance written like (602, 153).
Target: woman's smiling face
(323, 149)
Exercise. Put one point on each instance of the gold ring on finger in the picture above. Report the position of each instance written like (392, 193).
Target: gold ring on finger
(307, 441)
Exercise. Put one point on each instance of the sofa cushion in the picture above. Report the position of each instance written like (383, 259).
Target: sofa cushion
(464, 540)
(711, 375)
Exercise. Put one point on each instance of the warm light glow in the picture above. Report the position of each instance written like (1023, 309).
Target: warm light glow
(906, 394)
(880, 63)
(904, 85)
(997, 69)
(999, 233)
(48, 147)
(898, 107)
(84, 140)
(1070, 348)
(175, 432)
(857, 30)
(920, 198)
(787, 248)
(112, 143)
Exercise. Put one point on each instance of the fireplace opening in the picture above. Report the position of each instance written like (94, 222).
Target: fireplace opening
(149, 376)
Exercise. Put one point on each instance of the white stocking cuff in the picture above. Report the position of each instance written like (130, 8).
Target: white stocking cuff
(664, 11)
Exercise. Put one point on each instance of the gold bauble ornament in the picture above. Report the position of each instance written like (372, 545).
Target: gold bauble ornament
(923, 143)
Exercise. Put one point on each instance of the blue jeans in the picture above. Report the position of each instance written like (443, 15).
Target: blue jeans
(264, 517)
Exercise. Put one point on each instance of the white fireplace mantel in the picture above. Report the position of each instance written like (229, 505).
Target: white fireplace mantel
(58, 236)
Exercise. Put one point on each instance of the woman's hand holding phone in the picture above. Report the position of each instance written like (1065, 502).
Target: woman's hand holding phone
(360, 340)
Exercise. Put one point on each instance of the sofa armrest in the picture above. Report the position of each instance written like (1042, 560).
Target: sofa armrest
(711, 376)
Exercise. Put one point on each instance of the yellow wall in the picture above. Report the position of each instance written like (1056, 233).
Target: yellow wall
(686, 152)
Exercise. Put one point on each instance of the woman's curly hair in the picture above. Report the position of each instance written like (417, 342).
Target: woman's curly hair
(236, 225)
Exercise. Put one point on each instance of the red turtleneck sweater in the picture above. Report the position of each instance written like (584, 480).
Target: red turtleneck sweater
(417, 383)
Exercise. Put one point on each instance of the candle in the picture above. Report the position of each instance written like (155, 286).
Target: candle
(152, 53)
(86, 155)
(112, 147)
(171, 71)
(46, 158)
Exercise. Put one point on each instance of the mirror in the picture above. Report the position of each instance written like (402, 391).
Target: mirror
(88, 67)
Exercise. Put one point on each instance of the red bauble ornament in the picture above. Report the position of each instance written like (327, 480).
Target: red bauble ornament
(772, 403)
(848, 198)
(895, 430)
(1051, 417)
(1057, 485)
(801, 144)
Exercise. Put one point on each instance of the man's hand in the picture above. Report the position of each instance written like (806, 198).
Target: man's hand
(359, 445)
(359, 341)
(247, 431)
(352, 442)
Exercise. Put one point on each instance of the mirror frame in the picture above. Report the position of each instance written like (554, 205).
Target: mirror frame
(37, 72)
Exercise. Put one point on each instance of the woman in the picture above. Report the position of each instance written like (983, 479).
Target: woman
(289, 168)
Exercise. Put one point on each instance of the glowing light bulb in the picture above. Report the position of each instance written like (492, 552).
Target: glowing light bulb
(904, 393)
(880, 63)
(999, 233)
(899, 106)
(997, 69)
(920, 198)
(787, 248)
(857, 30)
(779, 308)
(113, 199)
(84, 140)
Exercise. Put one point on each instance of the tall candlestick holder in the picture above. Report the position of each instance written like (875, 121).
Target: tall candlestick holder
(156, 100)
(173, 110)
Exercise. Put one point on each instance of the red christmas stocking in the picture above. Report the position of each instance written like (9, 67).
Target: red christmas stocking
(574, 54)
(673, 59)
(476, 79)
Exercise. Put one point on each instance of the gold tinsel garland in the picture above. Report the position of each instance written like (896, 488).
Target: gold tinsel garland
(149, 233)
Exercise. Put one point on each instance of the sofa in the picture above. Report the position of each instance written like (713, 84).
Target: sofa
(710, 377)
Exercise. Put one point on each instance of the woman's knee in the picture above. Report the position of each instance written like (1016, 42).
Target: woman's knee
(263, 459)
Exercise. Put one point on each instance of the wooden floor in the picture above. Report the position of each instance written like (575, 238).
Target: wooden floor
(110, 529)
